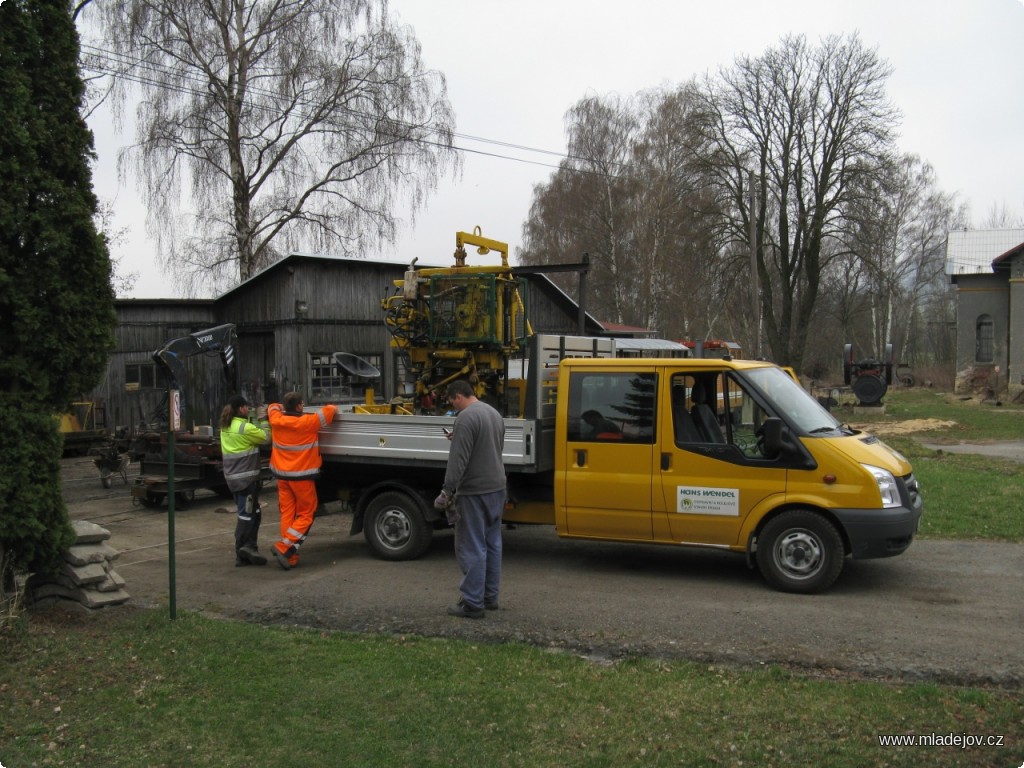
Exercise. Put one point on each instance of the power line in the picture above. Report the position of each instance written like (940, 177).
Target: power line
(105, 62)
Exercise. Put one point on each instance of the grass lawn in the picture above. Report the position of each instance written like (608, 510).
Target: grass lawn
(969, 420)
(135, 689)
(965, 496)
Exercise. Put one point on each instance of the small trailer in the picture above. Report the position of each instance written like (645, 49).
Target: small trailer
(197, 466)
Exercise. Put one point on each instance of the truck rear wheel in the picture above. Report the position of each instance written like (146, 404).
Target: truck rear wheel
(395, 527)
(800, 551)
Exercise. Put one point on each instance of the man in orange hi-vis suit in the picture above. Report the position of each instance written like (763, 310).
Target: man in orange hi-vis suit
(295, 462)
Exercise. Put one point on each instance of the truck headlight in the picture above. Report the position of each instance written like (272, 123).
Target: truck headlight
(887, 487)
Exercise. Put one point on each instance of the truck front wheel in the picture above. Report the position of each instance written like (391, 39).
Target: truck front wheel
(800, 551)
(395, 527)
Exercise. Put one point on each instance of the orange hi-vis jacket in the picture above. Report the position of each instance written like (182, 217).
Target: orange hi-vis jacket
(296, 446)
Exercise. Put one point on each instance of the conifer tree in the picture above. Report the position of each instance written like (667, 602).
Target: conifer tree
(56, 300)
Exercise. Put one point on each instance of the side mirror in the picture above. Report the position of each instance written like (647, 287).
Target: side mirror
(773, 441)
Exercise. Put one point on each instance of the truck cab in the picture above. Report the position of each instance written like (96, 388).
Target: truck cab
(728, 454)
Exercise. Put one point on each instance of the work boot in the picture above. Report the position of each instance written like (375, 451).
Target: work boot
(251, 555)
(465, 611)
(282, 559)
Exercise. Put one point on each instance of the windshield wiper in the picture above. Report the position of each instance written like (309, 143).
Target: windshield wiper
(819, 430)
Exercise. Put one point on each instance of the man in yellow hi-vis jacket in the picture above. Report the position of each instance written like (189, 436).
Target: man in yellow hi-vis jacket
(240, 440)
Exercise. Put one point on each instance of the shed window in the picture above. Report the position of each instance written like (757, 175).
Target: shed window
(331, 383)
(143, 376)
(983, 337)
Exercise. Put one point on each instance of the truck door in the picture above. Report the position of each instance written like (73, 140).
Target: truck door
(610, 444)
(712, 470)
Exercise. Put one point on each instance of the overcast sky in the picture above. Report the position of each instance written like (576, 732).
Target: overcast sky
(515, 68)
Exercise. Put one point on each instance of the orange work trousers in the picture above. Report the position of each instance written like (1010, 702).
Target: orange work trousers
(298, 502)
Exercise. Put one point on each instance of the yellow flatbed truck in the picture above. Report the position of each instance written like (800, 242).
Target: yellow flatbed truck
(763, 471)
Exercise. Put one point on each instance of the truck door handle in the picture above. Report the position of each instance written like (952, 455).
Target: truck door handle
(581, 457)
(666, 462)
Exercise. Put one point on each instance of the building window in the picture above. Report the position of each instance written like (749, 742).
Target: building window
(983, 338)
(143, 376)
(329, 382)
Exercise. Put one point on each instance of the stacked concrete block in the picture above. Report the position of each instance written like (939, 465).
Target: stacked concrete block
(86, 575)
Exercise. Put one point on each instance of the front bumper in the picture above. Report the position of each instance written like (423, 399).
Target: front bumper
(880, 532)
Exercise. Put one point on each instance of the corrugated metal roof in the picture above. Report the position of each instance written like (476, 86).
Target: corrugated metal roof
(650, 344)
(972, 251)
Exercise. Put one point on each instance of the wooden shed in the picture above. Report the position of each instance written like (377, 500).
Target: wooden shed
(290, 318)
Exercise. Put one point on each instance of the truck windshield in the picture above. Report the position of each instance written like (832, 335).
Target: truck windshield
(791, 401)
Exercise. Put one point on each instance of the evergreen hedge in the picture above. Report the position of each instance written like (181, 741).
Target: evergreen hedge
(56, 300)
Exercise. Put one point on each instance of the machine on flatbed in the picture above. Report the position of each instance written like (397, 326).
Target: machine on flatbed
(458, 322)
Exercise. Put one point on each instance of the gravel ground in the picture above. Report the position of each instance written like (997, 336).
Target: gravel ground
(946, 611)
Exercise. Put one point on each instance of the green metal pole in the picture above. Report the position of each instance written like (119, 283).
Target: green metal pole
(171, 419)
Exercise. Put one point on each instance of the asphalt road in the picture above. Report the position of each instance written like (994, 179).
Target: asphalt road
(947, 611)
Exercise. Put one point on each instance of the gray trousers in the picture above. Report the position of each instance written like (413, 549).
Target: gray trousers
(478, 546)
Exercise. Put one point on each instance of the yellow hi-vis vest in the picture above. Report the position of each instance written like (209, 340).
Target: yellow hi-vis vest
(240, 453)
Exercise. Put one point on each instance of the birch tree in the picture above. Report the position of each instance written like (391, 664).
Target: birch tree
(628, 196)
(272, 125)
(900, 238)
(680, 287)
(584, 208)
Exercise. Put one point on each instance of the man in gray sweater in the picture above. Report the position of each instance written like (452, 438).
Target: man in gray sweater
(474, 497)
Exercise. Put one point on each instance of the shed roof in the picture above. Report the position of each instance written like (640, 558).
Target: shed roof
(538, 280)
(296, 257)
(972, 251)
(1003, 261)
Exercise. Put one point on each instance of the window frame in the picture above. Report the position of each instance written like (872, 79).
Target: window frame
(984, 339)
(328, 382)
(636, 421)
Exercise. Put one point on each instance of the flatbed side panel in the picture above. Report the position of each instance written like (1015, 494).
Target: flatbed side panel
(389, 437)
(545, 353)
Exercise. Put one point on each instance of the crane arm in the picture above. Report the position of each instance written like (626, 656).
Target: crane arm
(174, 353)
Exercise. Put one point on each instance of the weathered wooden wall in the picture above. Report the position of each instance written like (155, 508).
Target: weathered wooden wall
(301, 306)
(144, 326)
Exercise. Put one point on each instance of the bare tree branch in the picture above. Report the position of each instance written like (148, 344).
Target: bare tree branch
(810, 122)
(278, 125)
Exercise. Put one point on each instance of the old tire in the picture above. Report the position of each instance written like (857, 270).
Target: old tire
(800, 551)
(395, 527)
